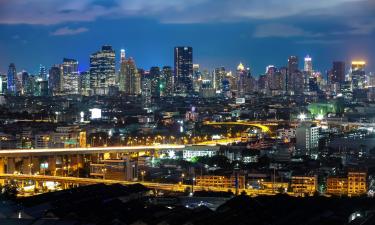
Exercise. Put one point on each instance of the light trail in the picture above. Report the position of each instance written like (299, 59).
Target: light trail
(88, 150)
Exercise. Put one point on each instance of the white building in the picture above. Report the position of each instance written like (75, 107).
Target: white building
(197, 151)
(307, 139)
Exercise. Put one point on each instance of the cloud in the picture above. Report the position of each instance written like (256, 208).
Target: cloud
(282, 30)
(167, 11)
(320, 41)
(69, 31)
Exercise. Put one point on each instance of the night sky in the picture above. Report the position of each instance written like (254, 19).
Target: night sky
(221, 32)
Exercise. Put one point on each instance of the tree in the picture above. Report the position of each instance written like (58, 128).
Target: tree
(8, 192)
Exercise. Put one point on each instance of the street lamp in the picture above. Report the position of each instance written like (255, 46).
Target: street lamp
(143, 175)
(182, 178)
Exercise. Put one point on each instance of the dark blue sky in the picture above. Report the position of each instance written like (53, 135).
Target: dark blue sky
(221, 32)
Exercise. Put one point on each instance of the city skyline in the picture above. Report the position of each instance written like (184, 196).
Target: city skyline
(253, 33)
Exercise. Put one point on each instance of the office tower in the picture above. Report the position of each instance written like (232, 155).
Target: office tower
(183, 69)
(42, 72)
(84, 85)
(24, 79)
(70, 76)
(3, 83)
(218, 78)
(284, 78)
(244, 81)
(55, 80)
(11, 79)
(274, 79)
(197, 77)
(146, 88)
(307, 138)
(131, 77)
(338, 72)
(155, 81)
(308, 65)
(102, 70)
(121, 78)
(292, 64)
(358, 75)
(296, 83)
(295, 80)
(167, 75)
(42, 87)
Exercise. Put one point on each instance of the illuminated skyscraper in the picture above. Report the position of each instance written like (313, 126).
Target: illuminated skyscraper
(168, 83)
(292, 64)
(183, 69)
(42, 72)
(70, 76)
(358, 75)
(102, 70)
(244, 81)
(11, 79)
(308, 65)
(218, 78)
(130, 78)
(121, 79)
(55, 80)
(338, 72)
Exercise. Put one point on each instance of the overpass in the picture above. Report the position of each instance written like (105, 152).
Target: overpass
(264, 128)
(91, 150)
(150, 185)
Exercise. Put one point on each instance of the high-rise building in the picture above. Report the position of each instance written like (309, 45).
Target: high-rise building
(55, 80)
(338, 72)
(11, 79)
(358, 75)
(84, 84)
(292, 64)
(102, 70)
(307, 138)
(244, 81)
(42, 72)
(24, 79)
(183, 69)
(129, 78)
(218, 78)
(146, 88)
(308, 65)
(168, 83)
(70, 76)
(121, 77)
(295, 79)
(155, 81)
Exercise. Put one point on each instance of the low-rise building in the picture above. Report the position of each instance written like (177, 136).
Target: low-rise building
(304, 184)
(220, 181)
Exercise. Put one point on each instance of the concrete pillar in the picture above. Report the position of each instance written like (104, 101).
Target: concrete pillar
(11, 166)
(52, 164)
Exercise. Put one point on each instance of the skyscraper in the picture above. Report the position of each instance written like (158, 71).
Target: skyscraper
(42, 72)
(167, 75)
(219, 76)
(244, 81)
(292, 64)
(11, 79)
(121, 77)
(129, 78)
(155, 81)
(55, 79)
(358, 75)
(338, 73)
(308, 65)
(183, 69)
(102, 70)
(70, 76)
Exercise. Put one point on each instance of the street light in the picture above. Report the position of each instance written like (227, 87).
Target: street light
(143, 175)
